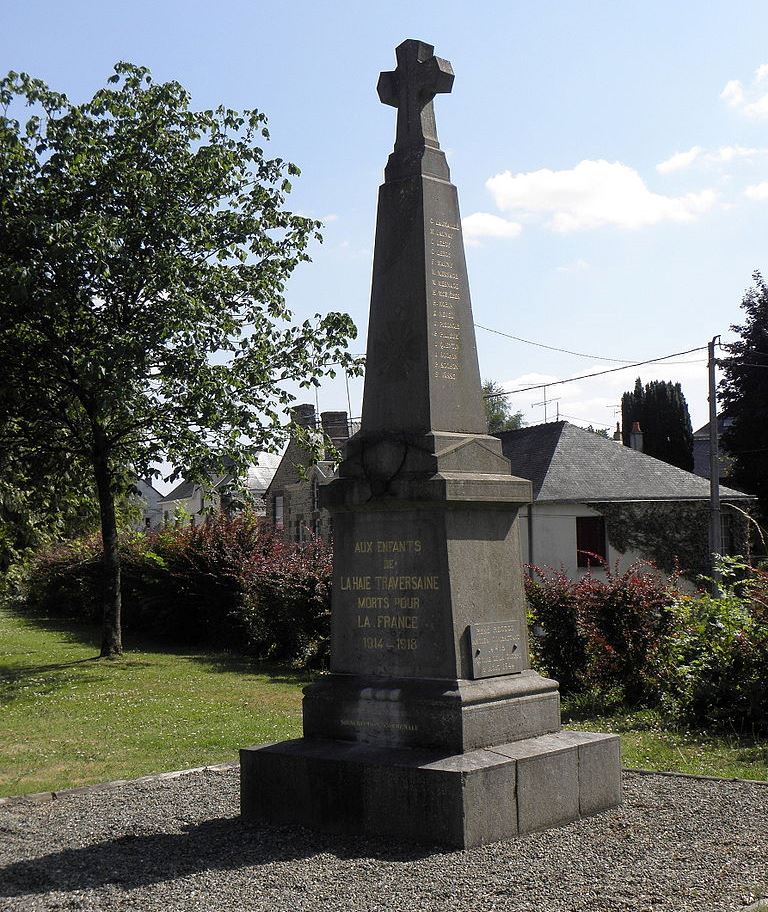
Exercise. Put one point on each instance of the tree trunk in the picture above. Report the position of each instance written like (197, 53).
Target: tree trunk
(111, 638)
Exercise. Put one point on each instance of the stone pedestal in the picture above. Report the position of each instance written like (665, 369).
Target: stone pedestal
(432, 725)
(464, 799)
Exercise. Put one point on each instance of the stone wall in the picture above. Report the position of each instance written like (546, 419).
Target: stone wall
(296, 476)
(673, 534)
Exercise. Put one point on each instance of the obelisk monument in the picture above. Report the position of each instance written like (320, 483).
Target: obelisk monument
(431, 725)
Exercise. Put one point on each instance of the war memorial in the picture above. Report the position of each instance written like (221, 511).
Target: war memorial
(431, 726)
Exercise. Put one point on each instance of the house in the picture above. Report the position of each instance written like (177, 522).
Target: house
(593, 498)
(293, 499)
(192, 501)
(148, 499)
(701, 449)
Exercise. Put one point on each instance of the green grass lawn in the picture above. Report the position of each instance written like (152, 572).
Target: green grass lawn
(646, 743)
(67, 718)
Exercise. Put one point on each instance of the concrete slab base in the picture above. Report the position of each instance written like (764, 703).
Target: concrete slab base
(462, 800)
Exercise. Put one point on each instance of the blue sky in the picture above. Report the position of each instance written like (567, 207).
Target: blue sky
(611, 158)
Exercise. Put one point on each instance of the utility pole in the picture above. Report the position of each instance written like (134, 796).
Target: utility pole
(715, 536)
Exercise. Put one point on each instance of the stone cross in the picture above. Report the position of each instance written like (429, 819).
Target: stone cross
(410, 88)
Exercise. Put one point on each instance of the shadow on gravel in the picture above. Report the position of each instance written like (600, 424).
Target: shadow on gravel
(225, 844)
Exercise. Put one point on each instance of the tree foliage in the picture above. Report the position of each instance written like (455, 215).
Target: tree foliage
(498, 411)
(744, 395)
(662, 411)
(36, 511)
(144, 251)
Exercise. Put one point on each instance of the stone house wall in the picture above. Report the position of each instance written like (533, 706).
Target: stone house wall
(674, 535)
(295, 482)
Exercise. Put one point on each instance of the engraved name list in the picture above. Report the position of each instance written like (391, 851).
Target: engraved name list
(445, 295)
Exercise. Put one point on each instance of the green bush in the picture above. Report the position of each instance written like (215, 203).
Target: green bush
(713, 665)
(229, 583)
(600, 634)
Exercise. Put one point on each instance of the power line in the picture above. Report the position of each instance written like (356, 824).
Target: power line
(565, 351)
(568, 351)
(593, 423)
(610, 370)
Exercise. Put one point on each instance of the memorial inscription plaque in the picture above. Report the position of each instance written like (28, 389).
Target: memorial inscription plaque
(431, 724)
(496, 649)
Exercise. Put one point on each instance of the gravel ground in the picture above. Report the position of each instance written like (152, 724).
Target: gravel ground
(178, 844)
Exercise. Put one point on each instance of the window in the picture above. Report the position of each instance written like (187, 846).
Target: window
(590, 540)
(277, 511)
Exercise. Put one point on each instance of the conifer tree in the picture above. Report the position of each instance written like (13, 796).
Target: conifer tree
(744, 396)
(662, 412)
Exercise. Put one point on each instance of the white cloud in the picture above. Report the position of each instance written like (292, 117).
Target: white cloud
(752, 102)
(593, 194)
(576, 266)
(679, 160)
(757, 109)
(594, 401)
(757, 191)
(484, 225)
(729, 153)
(733, 93)
(725, 154)
(331, 217)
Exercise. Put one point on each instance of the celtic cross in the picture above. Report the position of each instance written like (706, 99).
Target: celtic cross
(410, 88)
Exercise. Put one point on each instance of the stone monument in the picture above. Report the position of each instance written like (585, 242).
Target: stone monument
(431, 725)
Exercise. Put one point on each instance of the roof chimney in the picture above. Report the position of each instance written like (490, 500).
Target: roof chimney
(636, 437)
(335, 426)
(617, 433)
(303, 415)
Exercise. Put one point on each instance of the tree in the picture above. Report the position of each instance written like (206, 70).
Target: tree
(144, 251)
(35, 511)
(744, 395)
(600, 432)
(662, 412)
(498, 410)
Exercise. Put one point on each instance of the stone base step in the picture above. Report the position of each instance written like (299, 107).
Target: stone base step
(462, 800)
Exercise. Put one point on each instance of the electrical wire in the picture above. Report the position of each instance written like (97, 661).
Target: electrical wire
(565, 351)
(602, 424)
(610, 370)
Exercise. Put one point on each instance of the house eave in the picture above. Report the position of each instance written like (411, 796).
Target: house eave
(725, 498)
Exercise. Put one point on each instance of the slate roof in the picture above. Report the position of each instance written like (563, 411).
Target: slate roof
(567, 463)
(182, 491)
(723, 422)
(257, 479)
(260, 475)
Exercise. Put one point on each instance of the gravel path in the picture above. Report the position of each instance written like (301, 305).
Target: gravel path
(178, 844)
